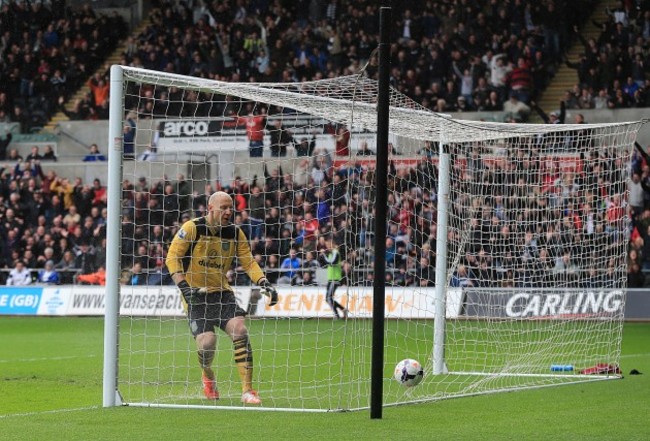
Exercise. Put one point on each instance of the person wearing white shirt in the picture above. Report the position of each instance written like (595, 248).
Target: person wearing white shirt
(302, 173)
(19, 276)
(499, 69)
(636, 193)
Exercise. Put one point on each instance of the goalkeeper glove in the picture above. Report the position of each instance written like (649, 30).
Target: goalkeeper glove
(269, 291)
(190, 293)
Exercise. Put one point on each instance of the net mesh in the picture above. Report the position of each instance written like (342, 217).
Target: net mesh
(537, 241)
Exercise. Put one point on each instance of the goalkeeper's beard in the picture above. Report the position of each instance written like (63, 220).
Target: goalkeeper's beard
(216, 221)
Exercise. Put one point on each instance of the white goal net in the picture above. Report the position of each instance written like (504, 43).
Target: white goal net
(536, 242)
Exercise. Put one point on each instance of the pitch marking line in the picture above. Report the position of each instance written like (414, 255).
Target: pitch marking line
(635, 355)
(45, 412)
(30, 360)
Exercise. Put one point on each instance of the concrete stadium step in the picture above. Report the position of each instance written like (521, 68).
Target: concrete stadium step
(566, 78)
(561, 86)
(566, 75)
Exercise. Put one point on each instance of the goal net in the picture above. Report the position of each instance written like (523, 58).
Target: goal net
(536, 240)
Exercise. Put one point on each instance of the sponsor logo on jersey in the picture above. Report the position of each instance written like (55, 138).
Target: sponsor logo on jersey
(209, 264)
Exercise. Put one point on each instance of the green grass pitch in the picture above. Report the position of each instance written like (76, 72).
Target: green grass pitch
(51, 388)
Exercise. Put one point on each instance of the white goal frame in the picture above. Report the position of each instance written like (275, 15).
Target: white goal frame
(443, 129)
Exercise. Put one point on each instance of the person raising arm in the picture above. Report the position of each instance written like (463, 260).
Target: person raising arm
(199, 257)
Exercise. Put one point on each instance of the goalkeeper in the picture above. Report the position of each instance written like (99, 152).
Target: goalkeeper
(198, 259)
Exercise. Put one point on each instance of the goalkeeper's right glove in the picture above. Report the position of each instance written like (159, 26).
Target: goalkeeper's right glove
(269, 291)
(189, 293)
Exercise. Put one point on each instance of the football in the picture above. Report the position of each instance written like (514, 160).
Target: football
(409, 372)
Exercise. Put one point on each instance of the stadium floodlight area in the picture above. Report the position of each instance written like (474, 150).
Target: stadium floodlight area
(506, 249)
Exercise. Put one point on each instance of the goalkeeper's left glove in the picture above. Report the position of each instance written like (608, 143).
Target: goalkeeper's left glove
(190, 294)
(269, 291)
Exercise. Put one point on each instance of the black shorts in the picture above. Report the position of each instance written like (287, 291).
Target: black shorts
(212, 310)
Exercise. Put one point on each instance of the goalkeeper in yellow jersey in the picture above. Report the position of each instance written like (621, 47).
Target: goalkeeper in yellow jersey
(198, 259)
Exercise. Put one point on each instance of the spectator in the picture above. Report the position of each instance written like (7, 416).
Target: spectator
(96, 278)
(99, 88)
(21, 117)
(342, 141)
(135, 276)
(306, 147)
(160, 276)
(14, 156)
(281, 138)
(520, 81)
(499, 70)
(72, 218)
(85, 257)
(98, 194)
(493, 102)
(80, 109)
(48, 154)
(425, 273)
(34, 155)
(635, 278)
(566, 269)
(149, 154)
(66, 267)
(19, 276)
(128, 137)
(94, 154)
(289, 268)
(64, 189)
(49, 275)
(309, 227)
(554, 117)
(391, 252)
(255, 123)
(257, 213)
(307, 279)
(462, 278)
(515, 109)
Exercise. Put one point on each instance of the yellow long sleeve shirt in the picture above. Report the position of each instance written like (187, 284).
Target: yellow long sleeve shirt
(204, 254)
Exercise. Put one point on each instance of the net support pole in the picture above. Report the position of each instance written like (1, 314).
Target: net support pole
(113, 223)
(441, 261)
(381, 179)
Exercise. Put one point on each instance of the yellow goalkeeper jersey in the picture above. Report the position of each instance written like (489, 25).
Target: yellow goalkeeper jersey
(204, 254)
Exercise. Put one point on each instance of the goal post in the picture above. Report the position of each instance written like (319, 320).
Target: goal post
(113, 235)
(442, 220)
(514, 236)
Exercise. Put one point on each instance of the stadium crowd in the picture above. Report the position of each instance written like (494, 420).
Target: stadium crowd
(448, 56)
(454, 55)
(534, 223)
(47, 51)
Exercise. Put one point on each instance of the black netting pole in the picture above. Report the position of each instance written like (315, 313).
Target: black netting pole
(381, 182)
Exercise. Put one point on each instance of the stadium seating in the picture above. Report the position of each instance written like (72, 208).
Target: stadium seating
(449, 56)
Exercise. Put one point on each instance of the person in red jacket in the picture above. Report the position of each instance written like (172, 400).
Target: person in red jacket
(342, 141)
(255, 124)
(310, 231)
